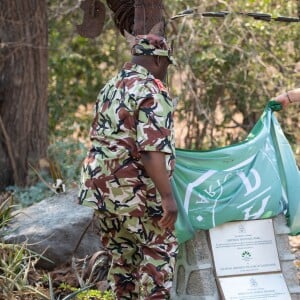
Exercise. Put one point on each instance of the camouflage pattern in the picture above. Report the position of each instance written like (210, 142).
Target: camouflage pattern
(133, 113)
(143, 257)
(151, 44)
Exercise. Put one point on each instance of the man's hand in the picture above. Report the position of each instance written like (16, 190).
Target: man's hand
(170, 213)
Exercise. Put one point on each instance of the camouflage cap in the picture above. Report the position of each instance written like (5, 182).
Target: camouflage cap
(152, 44)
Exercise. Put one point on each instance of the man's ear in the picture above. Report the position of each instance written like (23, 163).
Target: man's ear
(156, 60)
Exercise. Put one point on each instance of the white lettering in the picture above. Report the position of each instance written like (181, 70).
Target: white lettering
(259, 213)
(249, 188)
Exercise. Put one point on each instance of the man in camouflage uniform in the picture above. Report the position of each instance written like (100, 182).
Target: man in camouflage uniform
(125, 176)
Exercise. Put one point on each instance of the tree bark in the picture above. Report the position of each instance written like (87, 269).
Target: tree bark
(23, 88)
(136, 16)
(147, 13)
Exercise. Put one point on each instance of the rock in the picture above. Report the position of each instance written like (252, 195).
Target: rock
(53, 228)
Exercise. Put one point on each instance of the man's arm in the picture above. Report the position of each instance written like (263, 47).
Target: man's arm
(155, 165)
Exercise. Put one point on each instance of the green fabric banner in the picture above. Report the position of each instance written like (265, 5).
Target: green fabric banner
(255, 179)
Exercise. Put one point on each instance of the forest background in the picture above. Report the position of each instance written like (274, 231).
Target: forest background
(228, 69)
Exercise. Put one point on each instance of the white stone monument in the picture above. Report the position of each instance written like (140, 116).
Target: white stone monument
(196, 276)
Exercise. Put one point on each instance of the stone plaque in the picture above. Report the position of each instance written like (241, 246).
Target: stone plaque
(245, 247)
(253, 287)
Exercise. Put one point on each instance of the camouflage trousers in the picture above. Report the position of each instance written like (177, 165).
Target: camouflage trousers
(142, 256)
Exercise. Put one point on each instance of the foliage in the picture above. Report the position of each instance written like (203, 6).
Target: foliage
(228, 69)
(15, 264)
(6, 207)
(88, 294)
(32, 194)
(20, 278)
(68, 156)
(78, 67)
(16, 261)
(95, 294)
(64, 162)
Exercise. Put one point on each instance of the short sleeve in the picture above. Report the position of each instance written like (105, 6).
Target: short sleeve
(155, 124)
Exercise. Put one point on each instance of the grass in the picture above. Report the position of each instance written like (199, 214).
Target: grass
(20, 278)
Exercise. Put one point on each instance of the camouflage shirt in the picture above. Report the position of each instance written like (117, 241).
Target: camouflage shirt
(133, 113)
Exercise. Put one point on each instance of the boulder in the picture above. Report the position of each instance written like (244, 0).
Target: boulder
(57, 228)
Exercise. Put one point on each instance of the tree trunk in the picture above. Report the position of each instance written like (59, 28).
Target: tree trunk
(23, 88)
(136, 16)
(147, 13)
